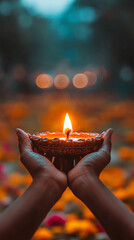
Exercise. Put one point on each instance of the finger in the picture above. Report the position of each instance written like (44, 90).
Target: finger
(107, 140)
(23, 138)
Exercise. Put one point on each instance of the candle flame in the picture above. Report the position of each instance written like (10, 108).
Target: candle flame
(67, 125)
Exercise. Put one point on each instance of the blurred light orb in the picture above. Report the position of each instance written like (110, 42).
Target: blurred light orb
(25, 20)
(80, 80)
(44, 81)
(126, 74)
(87, 14)
(61, 81)
(5, 8)
(92, 77)
(47, 8)
(82, 15)
(19, 72)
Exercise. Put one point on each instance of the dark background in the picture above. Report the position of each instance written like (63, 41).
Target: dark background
(88, 35)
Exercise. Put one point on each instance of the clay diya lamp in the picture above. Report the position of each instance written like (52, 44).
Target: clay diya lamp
(66, 149)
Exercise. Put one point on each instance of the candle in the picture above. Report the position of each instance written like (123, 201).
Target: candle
(65, 149)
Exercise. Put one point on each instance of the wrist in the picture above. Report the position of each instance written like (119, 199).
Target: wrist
(82, 183)
(49, 183)
(91, 183)
(81, 175)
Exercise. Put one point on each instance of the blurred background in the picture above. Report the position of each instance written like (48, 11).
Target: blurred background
(74, 56)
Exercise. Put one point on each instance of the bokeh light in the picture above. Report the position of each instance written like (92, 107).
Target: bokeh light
(61, 81)
(44, 81)
(19, 72)
(25, 20)
(80, 80)
(126, 74)
(5, 8)
(87, 14)
(83, 14)
(92, 77)
(47, 8)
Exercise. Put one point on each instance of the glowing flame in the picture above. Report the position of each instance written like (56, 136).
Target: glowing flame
(67, 125)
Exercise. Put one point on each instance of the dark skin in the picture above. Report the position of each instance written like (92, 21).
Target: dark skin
(84, 182)
(23, 217)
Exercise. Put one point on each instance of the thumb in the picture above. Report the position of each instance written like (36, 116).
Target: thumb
(107, 140)
(23, 139)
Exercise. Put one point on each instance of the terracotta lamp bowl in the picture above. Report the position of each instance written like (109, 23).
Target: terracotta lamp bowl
(65, 154)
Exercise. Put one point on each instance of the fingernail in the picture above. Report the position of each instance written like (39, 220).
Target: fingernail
(110, 132)
(18, 132)
(29, 135)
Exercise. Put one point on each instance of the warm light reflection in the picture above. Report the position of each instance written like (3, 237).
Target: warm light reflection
(61, 81)
(67, 125)
(80, 80)
(92, 77)
(44, 81)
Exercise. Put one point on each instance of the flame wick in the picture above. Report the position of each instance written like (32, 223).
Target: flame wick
(67, 129)
(68, 133)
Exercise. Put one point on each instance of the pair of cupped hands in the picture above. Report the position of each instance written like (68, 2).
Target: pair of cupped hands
(41, 169)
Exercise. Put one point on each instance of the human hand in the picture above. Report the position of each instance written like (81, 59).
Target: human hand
(40, 168)
(90, 166)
